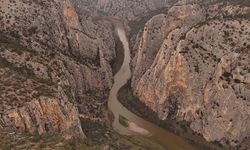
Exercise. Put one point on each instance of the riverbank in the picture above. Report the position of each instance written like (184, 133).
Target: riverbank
(126, 98)
(13, 139)
(102, 135)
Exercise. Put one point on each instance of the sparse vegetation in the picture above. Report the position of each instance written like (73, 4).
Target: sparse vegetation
(33, 30)
(14, 140)
(14, 45)
(123, 121)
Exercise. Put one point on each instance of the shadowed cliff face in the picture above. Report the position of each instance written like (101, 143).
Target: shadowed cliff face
(192, 64)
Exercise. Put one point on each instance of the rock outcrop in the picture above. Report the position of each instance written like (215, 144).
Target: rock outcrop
(192, 64)
(54, 67)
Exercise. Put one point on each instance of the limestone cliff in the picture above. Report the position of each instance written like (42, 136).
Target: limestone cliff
(192, 64)
(54, 67)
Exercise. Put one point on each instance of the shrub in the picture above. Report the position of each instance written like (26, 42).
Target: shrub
(123, 121)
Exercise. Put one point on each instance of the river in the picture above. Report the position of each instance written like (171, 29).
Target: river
(137, 125)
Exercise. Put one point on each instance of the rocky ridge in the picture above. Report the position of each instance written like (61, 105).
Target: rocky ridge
(126, 10)
(191, 65)
(54, 70)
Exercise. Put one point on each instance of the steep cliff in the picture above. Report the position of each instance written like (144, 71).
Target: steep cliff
(54, 70)
(192, 64)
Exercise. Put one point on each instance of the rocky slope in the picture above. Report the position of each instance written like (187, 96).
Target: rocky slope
(54, 70)
(127, 10)
(192, 64)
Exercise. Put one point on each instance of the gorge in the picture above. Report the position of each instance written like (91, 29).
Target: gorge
(183, 82)
(170, 141)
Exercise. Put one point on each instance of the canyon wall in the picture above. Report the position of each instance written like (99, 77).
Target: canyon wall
(54, 67)
(192, 64)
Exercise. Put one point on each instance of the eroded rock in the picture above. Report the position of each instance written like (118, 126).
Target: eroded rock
(194, 68)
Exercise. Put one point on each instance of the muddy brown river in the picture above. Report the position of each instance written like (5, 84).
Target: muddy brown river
(137, 125)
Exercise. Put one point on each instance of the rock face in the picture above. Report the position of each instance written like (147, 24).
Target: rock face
(192, 64)
(127, 10)
(54, 66)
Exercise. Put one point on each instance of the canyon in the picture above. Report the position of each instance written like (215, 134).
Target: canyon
(189, 63)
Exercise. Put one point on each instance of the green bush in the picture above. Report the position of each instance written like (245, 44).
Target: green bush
(123, 121)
